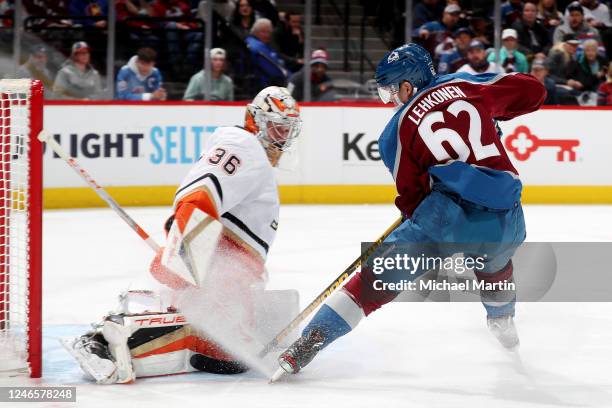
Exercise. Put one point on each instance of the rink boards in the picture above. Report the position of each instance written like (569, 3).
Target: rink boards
(140, 152)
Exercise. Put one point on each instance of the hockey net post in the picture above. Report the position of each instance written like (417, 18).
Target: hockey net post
(21, 119)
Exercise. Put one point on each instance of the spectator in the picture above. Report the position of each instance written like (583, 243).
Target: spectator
(90, 8)
(139, 80)
(288, 39)
(595, 13)
(133, 8)
(604, 93)
(426, 11)
(181, 37)
(46, 8)
(6, 9)
(270, 67)
(477, 60)
(533, 37)
(575, 24)
(36, 68)
(221, 88)
(452, 60)
(77, 79)
(511, 11)
(138, 30)
(549, 14)
(321, 85)
(588, 71)
(560, 57)
(559, 61)
(511, 60)
(436, 32)
(540, 71)
(243, 19)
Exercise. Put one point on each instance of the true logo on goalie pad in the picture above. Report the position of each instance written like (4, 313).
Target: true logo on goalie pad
(172, 319)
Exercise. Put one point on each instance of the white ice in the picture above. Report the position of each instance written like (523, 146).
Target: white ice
(407, 354)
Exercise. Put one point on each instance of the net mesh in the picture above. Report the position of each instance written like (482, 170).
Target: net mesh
(14, 192)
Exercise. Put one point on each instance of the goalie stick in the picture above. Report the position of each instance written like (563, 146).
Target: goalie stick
(328, 290)
(45, 137)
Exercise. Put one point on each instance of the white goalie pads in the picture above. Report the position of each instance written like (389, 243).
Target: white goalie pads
(143, 309)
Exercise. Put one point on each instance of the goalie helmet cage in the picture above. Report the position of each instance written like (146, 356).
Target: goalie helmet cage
(21, 111)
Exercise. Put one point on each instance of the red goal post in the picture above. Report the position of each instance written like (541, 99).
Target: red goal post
(21, 119)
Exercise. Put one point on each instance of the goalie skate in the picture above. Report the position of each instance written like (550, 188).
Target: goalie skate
(92, 354)
(504, 331)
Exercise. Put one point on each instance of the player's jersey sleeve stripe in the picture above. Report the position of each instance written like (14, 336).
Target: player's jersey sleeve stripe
(234, 220)
(212, 177)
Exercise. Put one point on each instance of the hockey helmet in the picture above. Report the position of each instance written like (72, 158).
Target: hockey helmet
(411, 63)
(274, 117)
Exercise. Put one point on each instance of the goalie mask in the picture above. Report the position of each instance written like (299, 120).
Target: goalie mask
(274, 117)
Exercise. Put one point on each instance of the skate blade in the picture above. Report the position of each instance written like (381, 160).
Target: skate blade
(277, 375)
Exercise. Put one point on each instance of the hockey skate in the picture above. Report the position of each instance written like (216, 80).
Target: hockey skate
(92, 354)
(504, 331)
(301, 352)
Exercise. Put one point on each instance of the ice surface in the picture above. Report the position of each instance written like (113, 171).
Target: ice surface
(407, 354)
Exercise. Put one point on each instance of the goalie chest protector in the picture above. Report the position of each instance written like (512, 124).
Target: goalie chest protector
(236, 172)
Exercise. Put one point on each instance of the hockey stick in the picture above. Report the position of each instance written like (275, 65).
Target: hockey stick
(45, 137)
(328, 290)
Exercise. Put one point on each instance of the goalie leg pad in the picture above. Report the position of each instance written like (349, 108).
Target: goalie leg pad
(164, 344)
(116, 334)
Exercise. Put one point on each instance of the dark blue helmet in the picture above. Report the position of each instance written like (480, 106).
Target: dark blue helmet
(410, 62)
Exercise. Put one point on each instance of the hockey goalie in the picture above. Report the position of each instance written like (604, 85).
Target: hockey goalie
(225, 217)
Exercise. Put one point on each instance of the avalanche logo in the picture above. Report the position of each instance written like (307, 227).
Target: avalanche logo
(522, 143)
(394, 56)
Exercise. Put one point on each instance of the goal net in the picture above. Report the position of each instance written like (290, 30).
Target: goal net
(20, 226)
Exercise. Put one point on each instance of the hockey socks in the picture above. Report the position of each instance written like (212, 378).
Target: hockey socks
(338, 316)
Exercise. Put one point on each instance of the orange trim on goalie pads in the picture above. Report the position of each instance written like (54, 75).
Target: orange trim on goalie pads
(193, 343)
(199, 199)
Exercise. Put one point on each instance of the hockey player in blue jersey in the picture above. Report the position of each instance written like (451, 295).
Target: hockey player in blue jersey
(455, 184)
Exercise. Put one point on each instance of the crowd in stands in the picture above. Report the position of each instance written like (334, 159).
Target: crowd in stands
(566, 44)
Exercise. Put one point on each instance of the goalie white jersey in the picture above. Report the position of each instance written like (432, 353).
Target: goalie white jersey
(236, 173)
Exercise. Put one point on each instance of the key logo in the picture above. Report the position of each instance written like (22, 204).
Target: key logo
(522, 143)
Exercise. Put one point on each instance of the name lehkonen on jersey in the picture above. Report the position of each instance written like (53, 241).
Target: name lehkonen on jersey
(443, 285)
(446, 93)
